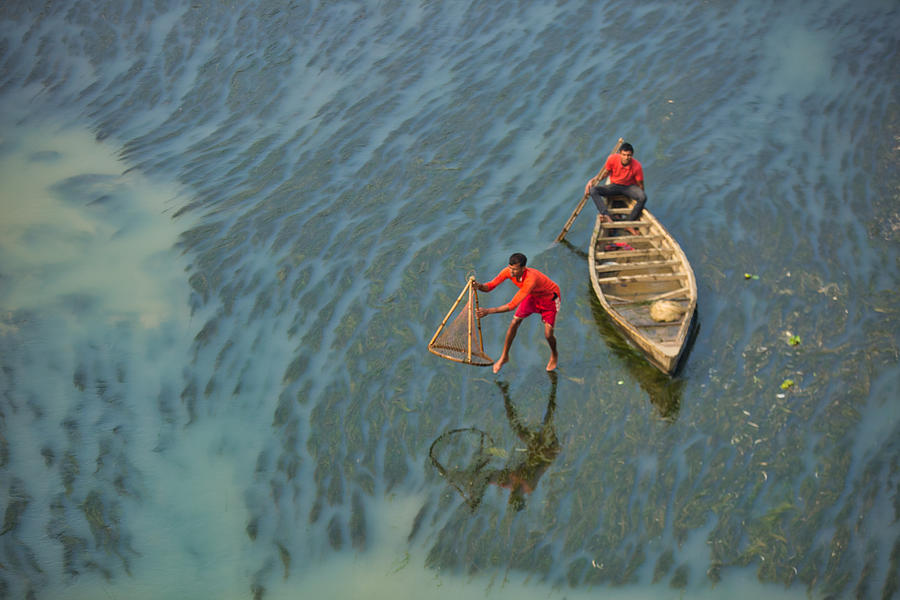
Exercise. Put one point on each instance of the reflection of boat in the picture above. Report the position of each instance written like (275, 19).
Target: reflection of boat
(664, 392)
(644, 283)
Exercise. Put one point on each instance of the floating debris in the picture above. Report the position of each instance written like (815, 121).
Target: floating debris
(499, 452)
(787, 384)
(400, 564)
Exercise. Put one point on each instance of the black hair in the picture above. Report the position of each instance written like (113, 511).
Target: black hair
(626, 147)
(518, 259)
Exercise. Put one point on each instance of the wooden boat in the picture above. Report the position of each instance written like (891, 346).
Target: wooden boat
(645, 284)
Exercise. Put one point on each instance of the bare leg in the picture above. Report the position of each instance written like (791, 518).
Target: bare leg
(551, 341)
(510, 336)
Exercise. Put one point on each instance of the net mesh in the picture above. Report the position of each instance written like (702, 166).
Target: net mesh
(459, 339)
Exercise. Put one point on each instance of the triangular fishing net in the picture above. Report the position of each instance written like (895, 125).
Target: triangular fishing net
(460, 339)
(462, 456)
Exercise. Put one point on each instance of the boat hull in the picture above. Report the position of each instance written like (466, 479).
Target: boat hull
(645, 284)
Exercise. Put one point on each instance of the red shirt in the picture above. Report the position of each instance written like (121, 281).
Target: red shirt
(629, 174)
(533, 282)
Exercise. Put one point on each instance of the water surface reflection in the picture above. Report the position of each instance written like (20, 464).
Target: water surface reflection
(465, 457)
(664, 392)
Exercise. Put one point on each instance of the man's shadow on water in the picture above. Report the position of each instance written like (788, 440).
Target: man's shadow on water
(524, 466)
(524, 469)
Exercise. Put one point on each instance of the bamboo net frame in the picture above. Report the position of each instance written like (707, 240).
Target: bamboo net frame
(448, 344)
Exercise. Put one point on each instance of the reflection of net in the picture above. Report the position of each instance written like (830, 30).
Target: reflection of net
(460, 456)
(460, 339)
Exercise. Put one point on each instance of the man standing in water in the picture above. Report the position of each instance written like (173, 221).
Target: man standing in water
(537, 294)
(626, 178)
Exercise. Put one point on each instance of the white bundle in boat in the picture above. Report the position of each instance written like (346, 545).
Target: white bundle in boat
(665, 310)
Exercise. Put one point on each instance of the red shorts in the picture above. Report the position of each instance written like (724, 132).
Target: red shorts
(548, 306)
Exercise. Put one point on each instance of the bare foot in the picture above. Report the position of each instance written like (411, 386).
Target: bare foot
(633, 231)
(552, 364)
(500, 362)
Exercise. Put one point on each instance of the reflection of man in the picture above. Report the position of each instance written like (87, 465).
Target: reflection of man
(522, 473)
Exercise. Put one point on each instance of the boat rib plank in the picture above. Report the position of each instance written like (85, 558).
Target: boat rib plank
(640, 278)
(647, 253)
(631, 266)
(630, 238)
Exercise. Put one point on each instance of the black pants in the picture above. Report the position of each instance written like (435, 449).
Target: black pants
(600, 192)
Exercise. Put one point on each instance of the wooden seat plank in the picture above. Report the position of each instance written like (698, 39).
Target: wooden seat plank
(642, 278)
(633, 266)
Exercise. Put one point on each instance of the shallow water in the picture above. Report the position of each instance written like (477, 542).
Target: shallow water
(230, 230)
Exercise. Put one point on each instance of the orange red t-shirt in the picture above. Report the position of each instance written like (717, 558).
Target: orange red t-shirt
(620, 174)
(533, 282)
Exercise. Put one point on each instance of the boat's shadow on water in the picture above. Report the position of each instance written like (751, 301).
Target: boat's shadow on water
(664, 391)
(574, 249)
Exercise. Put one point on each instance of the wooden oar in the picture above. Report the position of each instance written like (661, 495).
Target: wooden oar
(574, 215)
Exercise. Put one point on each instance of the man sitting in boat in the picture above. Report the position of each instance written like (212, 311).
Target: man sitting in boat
(626, 178)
